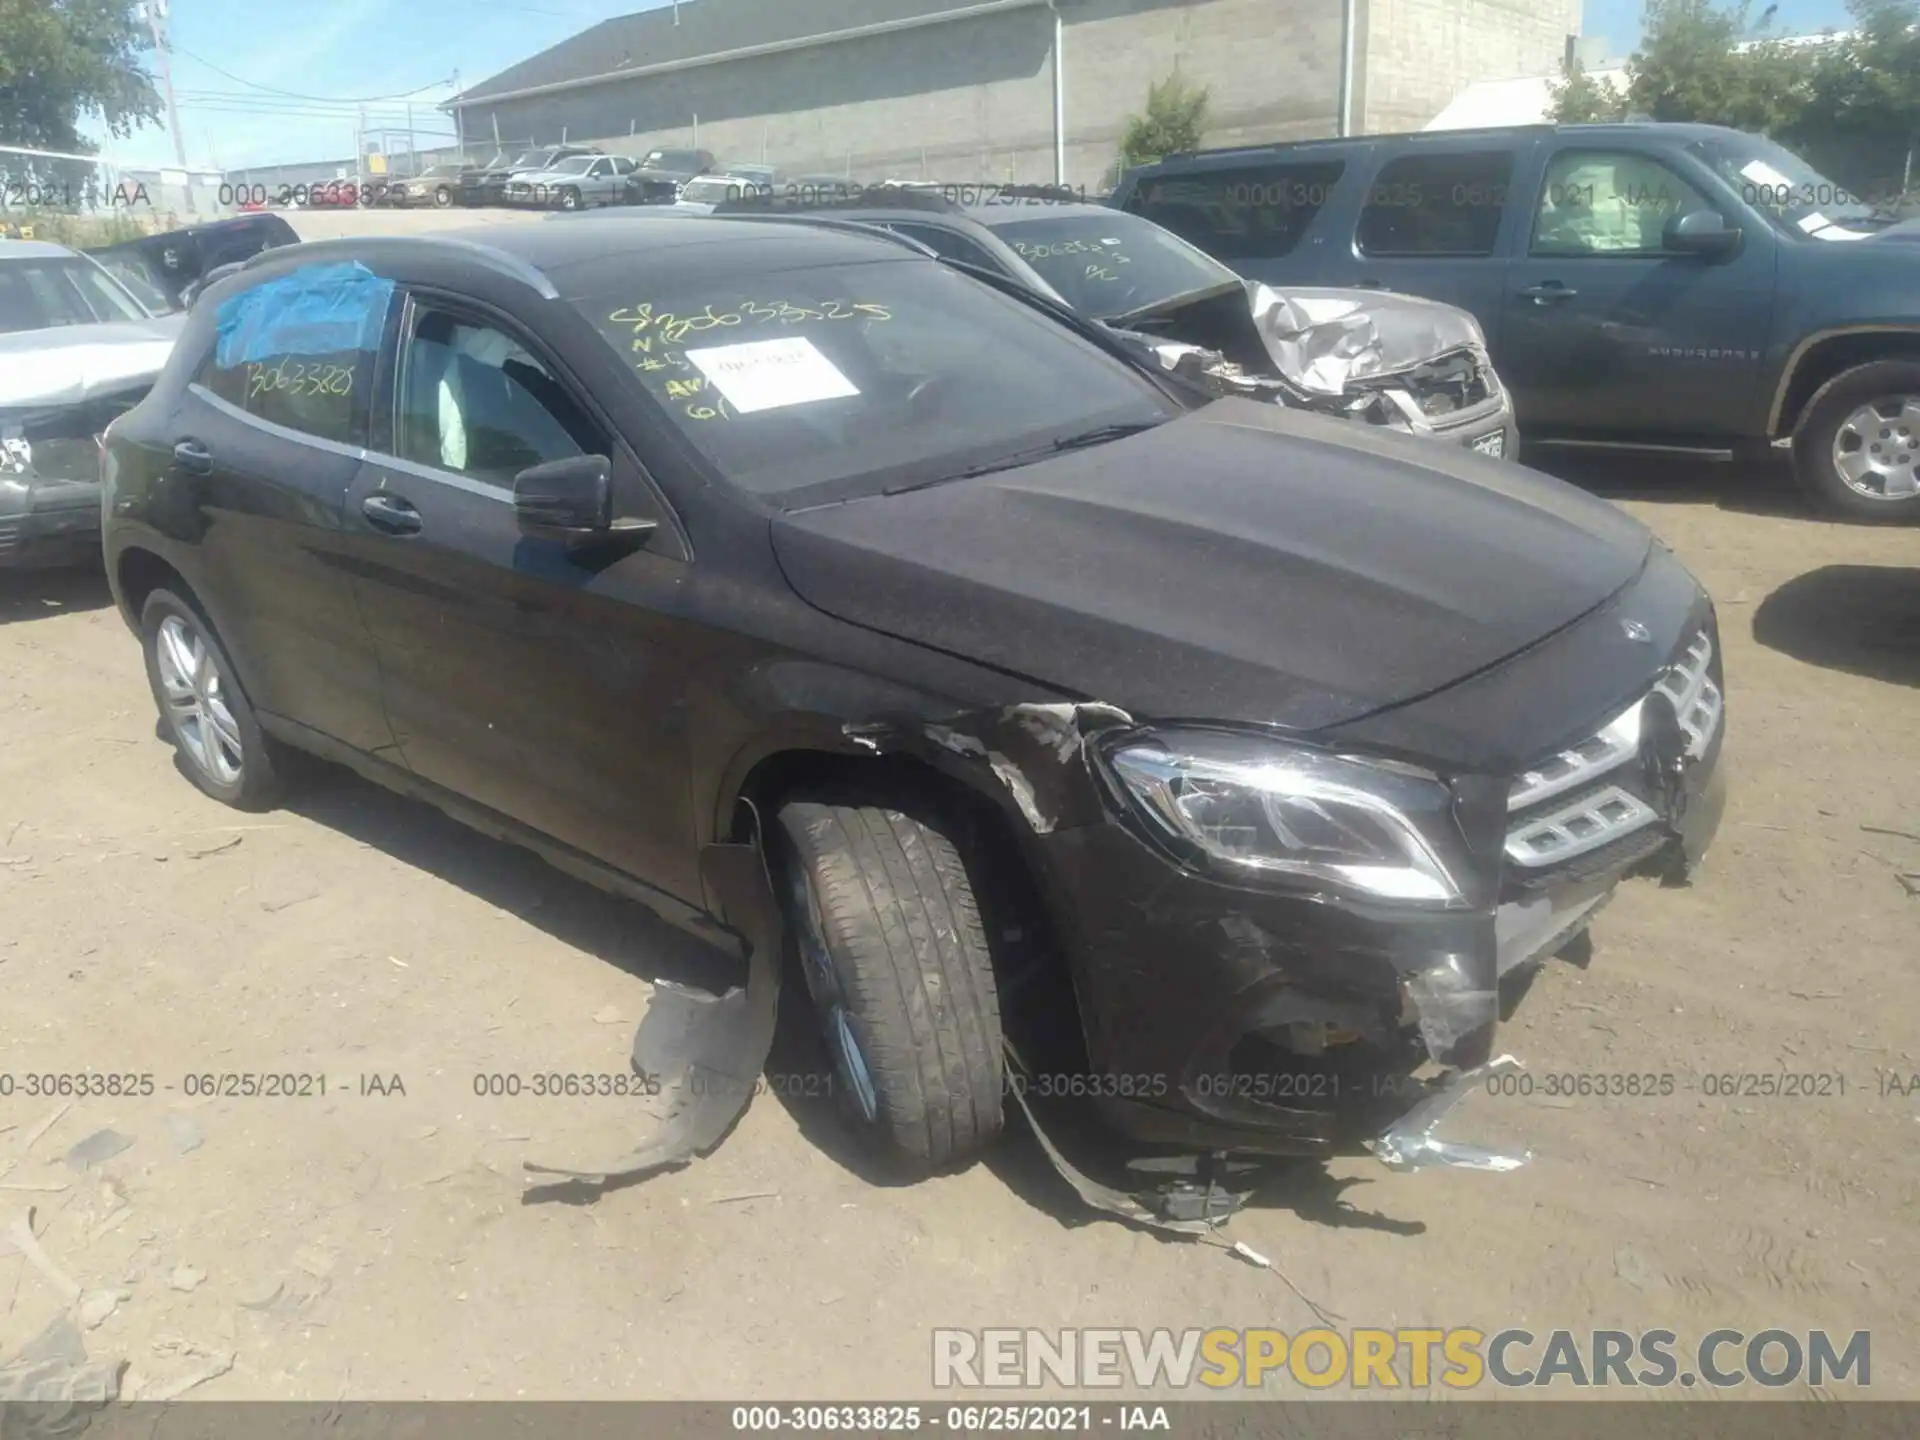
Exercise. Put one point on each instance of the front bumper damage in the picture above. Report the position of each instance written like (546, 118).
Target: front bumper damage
(1381, 359)
(1225, 1026)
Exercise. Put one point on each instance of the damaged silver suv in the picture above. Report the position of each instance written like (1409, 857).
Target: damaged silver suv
(1202, 765)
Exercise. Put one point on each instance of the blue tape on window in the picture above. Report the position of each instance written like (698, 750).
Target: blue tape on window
(316, 310)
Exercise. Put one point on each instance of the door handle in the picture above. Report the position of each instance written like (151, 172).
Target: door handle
(391, 514)
(193, 457)
(1547, 294)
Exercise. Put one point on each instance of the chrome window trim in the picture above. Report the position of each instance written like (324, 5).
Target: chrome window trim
(274, 427)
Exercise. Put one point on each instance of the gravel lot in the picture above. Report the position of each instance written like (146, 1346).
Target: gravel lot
(382, 1246)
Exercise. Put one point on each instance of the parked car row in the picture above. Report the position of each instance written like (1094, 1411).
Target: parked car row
(892, 612)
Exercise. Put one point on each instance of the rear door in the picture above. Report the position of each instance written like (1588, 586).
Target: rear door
(544, 687)
(1438, 220)
(266, 440)
(1606, 331)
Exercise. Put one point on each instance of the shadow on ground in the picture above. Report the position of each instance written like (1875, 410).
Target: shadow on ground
(37, 594)
(1862, 619)
(1763, 488)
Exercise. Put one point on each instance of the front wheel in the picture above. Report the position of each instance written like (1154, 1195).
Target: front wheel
(895, 958)
(1856, 450)
(442, 198)
(569, 199)
(212, 726)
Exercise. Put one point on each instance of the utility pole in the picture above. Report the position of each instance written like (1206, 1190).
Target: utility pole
(1349, 22)
(154, 12)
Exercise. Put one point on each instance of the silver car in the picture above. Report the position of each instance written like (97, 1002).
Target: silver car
(575, 183)
(76, 351)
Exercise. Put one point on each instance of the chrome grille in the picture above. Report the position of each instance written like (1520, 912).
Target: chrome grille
(1539, 835)
(1696, 699)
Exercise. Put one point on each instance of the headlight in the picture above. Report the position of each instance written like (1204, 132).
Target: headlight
(1261, 806)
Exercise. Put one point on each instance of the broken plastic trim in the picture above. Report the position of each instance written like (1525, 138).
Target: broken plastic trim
(1178, 1206)
(1410, 1144)
(707, 1050)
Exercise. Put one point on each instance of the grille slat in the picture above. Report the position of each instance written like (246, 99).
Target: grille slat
(1541, 834)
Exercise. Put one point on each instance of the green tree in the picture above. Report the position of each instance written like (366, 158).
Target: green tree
(63, 60)
(1175, 119)
(1861, 119)
(1579, 99)
(1704, 60)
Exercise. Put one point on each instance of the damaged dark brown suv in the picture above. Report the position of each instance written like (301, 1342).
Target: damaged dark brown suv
(811, 590)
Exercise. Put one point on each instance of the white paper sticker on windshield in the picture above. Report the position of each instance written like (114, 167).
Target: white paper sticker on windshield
(768, 374)
(1820, 226)
(1761, 173)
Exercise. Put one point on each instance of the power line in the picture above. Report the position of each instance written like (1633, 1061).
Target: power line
(295, 95)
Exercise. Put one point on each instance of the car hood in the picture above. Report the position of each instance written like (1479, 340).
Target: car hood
(73, 363)
(1245, 562)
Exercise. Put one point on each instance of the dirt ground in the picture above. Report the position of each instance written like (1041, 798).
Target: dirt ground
(371, 1245)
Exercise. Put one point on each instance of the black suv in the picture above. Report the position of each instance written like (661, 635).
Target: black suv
(1679, 287)
(806, 587)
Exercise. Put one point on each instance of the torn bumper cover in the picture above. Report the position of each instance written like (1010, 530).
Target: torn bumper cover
(1381, 358)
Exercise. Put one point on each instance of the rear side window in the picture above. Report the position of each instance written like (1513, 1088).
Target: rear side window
(298, 350)
(1258, 212)
(1437, 204)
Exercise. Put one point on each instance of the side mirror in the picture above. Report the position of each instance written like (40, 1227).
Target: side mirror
(1700, 232)
(571, 500)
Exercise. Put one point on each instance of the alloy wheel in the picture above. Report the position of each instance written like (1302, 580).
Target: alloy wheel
(196, 702)
(1876, 450)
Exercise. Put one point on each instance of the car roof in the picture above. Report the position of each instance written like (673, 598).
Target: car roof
(680, 248)
(1601, 130)
(33, 250)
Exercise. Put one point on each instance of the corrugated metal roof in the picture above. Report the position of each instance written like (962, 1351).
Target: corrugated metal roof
(706, 28)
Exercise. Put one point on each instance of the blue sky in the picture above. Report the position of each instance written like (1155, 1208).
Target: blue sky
(291, 86)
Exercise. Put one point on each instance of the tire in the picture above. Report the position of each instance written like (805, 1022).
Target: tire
(569, 198)
(245, 768)
(890, 940)
(1830, 428)
(442, 198)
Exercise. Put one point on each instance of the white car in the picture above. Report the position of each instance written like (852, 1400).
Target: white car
(700, 194)
(76, 351)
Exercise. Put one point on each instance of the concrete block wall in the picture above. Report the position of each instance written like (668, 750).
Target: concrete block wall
(1421, 53)
(973, 100)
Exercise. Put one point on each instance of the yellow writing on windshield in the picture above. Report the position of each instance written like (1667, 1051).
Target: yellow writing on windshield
(672, 328)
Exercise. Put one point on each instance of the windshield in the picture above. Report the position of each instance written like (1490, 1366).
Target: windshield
(1112, 263)
(1782, 186)
(47, 294)
(672, 160)
(577, 165)
(138, 274)
(842, 380)
(534, 160)
(439, 172)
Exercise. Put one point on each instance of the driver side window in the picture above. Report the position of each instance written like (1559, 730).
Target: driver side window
(1606, 203)
(473, 400)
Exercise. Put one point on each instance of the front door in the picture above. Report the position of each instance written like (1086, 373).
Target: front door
(543, 686)
(1609, 333)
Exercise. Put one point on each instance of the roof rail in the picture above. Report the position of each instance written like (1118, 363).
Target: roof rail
(1436, 135)
(855, 197)
(499, 261)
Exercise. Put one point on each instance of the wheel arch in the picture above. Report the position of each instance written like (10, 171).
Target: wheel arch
(1829, 353)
